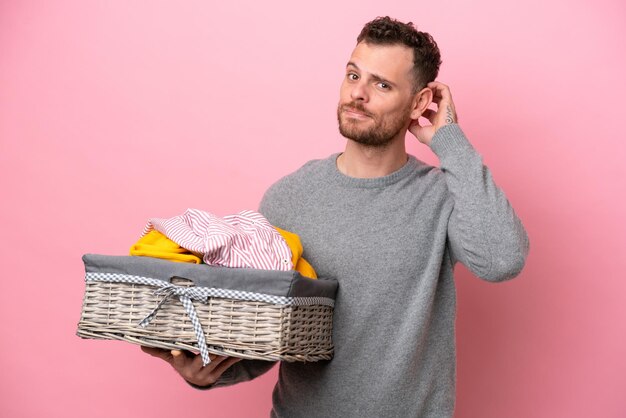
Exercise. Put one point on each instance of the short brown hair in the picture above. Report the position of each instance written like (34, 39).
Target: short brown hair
(426, 55)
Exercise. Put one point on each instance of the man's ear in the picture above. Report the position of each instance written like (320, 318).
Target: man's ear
(421, 101)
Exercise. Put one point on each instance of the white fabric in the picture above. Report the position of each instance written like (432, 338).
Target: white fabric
(244, 240)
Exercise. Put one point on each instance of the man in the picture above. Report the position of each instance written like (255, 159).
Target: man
(389, 228)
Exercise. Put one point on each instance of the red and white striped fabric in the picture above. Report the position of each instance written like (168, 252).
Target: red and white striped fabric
(244, 240)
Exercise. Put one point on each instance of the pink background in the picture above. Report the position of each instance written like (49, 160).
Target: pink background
(114, 112)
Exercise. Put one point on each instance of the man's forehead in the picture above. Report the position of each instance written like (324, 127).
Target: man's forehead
(386, 61)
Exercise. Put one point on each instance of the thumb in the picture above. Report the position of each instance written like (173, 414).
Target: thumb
(415, 127)
(423, 134)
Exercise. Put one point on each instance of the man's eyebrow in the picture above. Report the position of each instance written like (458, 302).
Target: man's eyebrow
(374, 76)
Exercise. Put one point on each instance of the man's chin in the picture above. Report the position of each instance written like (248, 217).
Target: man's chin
(365, 139)
(351, 134)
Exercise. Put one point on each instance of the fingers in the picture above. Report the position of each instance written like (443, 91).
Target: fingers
(429, 114)
(158, 352)
(188, 362)
(209, 370)
(226, 364)
(212, 372)
(439, 89)
(190, 366)
(220, 365)
(442, 98)
(441, 92)
(179, 360)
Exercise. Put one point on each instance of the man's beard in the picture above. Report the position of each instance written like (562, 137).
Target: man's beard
(378, 136)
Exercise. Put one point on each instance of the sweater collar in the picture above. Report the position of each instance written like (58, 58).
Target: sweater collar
(368, 183)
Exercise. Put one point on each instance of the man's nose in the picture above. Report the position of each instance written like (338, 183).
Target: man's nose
(359, 92)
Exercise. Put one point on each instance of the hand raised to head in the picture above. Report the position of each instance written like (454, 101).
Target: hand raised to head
(444, 115)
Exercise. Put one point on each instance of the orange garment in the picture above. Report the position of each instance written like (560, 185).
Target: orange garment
(299, 264)
(155, 244)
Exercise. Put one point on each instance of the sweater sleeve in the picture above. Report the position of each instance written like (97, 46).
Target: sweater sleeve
(240, 372)
(484, 233)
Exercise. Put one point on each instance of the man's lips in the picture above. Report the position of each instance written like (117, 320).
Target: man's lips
(352, 112)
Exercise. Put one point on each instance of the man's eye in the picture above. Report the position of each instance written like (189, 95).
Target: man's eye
(384, 85)
(352, 76)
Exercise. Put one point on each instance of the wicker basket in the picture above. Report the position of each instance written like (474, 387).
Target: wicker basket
(299, 330)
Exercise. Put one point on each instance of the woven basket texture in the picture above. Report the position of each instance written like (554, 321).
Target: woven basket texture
(245, 329)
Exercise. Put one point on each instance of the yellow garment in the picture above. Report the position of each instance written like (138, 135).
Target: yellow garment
(155, 244)
(299, 263)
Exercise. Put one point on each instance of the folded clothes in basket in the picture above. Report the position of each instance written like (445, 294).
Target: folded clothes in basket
(242, 312)
(246, 239)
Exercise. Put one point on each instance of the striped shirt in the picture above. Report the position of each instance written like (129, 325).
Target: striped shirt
(244, 240)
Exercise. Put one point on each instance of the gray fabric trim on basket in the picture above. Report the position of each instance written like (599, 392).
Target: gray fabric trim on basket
(288, 284)
(203, 292)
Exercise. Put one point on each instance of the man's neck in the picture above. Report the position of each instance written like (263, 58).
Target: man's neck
(361, 161)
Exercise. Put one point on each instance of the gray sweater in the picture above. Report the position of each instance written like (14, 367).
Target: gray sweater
(392, 243)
